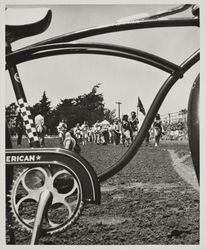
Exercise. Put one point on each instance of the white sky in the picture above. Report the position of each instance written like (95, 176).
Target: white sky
(122, 80)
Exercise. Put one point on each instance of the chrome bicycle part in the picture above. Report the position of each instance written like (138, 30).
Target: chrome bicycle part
(65, 191)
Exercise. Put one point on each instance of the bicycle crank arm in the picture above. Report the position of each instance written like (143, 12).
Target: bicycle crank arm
(43, 204)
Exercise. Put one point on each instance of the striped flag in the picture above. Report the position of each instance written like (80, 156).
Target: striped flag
(140, 106)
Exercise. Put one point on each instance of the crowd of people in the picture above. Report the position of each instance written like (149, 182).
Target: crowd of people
(175, 130)
(120, 131)
(101, 132)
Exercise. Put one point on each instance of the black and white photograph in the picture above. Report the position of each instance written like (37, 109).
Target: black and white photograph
(102, 124)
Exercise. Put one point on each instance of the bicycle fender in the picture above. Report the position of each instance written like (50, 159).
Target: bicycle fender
(193, 123)
(44, 156)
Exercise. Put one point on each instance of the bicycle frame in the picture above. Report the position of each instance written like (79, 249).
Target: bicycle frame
(61, 45)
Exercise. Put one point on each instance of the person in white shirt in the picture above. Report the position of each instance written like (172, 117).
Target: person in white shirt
(40, 127)
(69, 142)
(97, 132)
(104, 130)
(85, 130)
(62, 128)
(116, 131)
(78, 133)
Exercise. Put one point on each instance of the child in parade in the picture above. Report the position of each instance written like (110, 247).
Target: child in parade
(126, 131)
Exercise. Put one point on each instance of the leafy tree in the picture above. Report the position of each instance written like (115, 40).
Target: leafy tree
(11, 111)
(92, 100)
(183, 111)
(87, 107)
(110, 115)
(66, 110)
(93, 104)
(52, 123)
(44, 106)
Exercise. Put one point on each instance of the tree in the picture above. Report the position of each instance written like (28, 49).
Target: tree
(110, 115)
(183, 111)
(93, 104)
(11, 111)
(87, 107)
(44, 106)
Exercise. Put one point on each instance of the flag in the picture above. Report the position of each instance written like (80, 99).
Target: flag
(140, 106)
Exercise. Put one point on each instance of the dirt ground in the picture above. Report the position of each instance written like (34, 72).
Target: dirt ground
(148, 202)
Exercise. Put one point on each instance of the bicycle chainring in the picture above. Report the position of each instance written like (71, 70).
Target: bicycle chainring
(66, 205)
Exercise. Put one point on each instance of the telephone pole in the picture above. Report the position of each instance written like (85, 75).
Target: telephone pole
(118, 103)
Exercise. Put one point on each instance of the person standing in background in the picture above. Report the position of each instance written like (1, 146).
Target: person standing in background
(85, 132)
(105, 130)
(78, 133)
(97, 132)
(126, 131)
(117, 131)
(19, 128)
(39, 123)
(157, 126)
(61, 129)
(134, 125)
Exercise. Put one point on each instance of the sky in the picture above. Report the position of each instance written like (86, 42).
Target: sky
(122, 80)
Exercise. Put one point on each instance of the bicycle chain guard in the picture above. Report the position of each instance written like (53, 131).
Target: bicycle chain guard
(70, 180)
